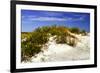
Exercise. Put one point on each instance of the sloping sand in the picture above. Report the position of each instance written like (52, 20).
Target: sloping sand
(63, 52)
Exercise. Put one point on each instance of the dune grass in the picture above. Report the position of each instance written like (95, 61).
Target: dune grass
(39, 37)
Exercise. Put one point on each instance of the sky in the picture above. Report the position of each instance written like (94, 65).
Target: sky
(32, 19)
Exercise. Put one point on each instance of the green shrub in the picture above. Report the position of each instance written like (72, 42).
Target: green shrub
(29, 50)
(33, 45)
(25, 35)
(75, 30)
(54, 32)
(39, 38)
(43, 29)
(61, 38)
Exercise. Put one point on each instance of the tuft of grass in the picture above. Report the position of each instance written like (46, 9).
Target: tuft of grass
(39, 38)
(61, 39)
(72, 42)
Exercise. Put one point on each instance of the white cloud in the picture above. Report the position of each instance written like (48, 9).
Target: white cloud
(48, 19)
(35, 18)
(28, 17)
(78, 19)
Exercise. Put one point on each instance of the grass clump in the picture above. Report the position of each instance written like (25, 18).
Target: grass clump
(29, 50)
(61, 39)
(39, 38)
(72, 42)
(33, 45)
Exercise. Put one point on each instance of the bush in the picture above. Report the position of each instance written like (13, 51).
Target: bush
(43, 29)
(39, 38)
(75, 30)
(61, 38)
(29, 50)
(25, 35)
(54, 32)
(33, 45)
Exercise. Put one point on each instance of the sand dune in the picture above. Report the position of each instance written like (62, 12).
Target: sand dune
(63, 52)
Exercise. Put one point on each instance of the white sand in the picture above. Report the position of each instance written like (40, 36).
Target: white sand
(63, 52)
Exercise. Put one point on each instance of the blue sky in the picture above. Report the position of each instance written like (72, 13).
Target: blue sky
(32, 19)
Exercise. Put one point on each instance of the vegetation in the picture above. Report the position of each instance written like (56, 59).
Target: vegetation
(32, 43)
(26, 35)
(75, 30)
